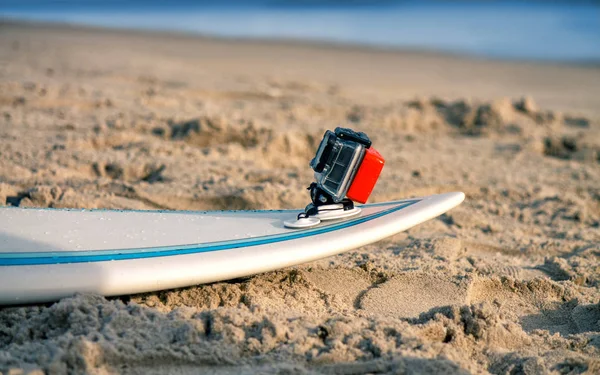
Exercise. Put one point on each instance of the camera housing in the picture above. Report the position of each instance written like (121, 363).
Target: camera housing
(346, 165)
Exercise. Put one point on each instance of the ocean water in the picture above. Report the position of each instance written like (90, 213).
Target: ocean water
(564, 31)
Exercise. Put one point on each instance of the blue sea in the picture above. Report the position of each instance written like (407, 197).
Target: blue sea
(563, 31)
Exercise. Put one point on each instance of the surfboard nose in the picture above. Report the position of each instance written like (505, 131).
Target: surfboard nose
(453, 198)
(458, 195)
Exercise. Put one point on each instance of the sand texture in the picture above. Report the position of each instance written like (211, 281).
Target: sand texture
(507, 283)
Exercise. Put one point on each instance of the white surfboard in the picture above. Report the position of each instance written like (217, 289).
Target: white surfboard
(47, 254)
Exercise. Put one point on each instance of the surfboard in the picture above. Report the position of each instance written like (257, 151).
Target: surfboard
(48, 254)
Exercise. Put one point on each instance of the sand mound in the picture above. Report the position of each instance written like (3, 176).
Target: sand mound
(208, 131)
(502, 116)
(573, 147)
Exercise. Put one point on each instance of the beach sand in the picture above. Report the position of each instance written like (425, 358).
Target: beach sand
(508, 282)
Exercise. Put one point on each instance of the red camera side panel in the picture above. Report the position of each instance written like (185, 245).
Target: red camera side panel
(366, 176)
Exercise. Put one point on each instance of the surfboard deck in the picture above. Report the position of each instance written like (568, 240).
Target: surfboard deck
(47, 254)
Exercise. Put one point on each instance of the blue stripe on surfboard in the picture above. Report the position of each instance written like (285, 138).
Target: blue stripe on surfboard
(48, 258)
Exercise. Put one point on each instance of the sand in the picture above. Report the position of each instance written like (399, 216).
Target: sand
(509, 282)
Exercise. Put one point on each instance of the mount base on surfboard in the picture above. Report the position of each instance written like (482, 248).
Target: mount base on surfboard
(313, 215)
